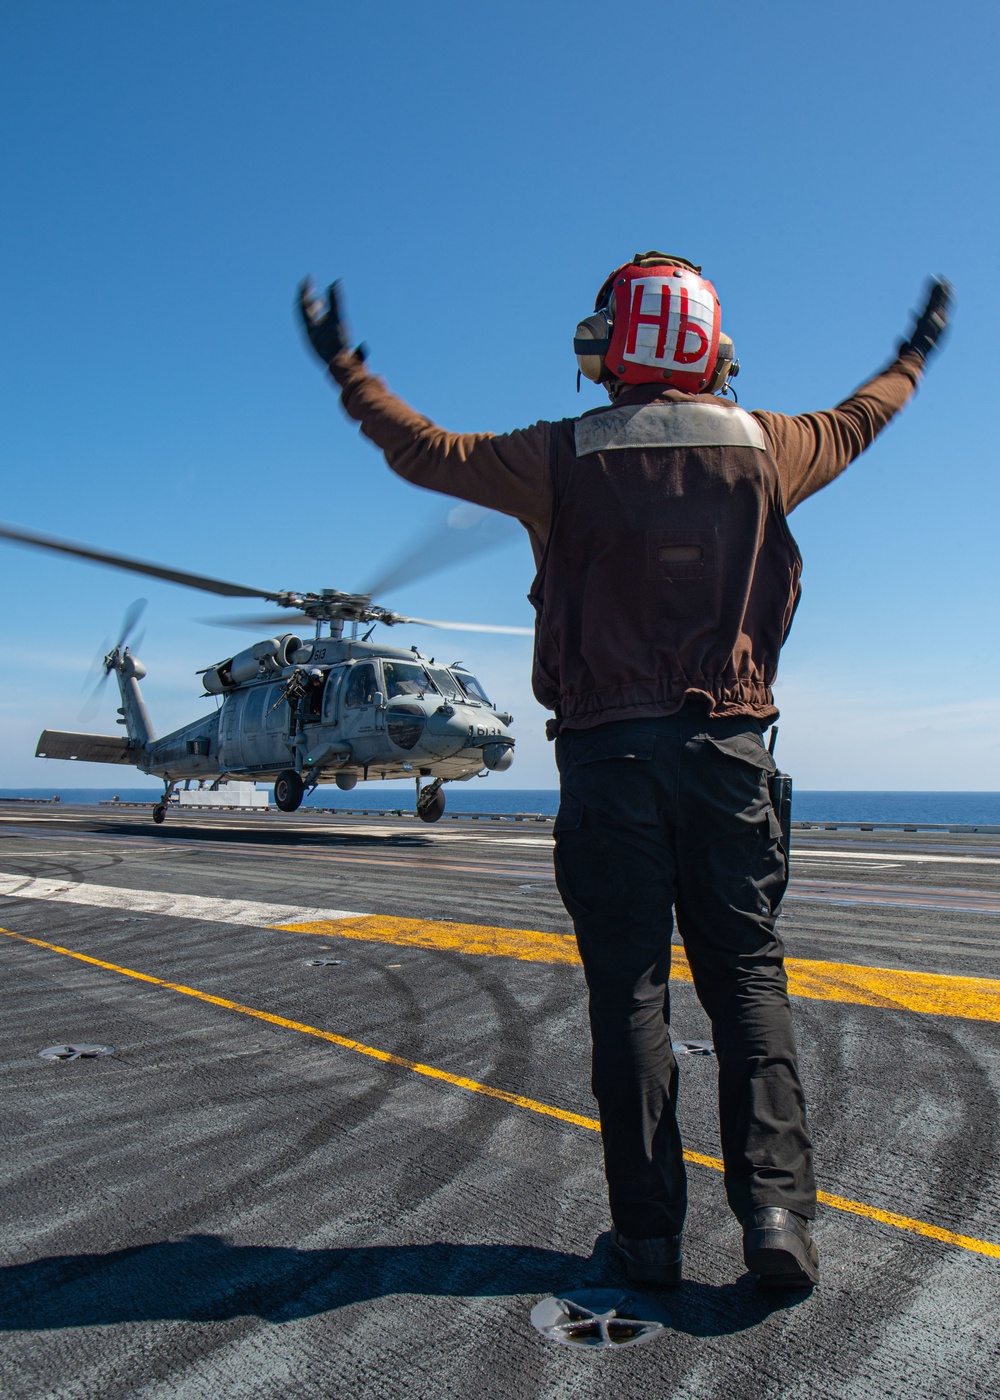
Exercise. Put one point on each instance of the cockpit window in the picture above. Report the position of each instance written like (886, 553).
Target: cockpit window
(471, 686)
(405, 678)
(446, 683)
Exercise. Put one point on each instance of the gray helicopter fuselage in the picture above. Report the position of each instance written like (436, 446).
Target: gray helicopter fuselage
(369, 711)
(304, 713)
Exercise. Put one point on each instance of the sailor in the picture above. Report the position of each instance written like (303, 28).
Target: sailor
(666, 583)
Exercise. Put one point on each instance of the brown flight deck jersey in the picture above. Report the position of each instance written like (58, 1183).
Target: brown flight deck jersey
(666, 569)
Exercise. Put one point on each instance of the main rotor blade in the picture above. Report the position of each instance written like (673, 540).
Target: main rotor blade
(469, 626)
(466, 532)
(283, 620)
(135, 566)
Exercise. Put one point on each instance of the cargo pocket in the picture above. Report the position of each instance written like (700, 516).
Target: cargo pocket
(741, 865)
(569, 816)
(732, 773)
(605, 789)
(583, 867)
(745, 748)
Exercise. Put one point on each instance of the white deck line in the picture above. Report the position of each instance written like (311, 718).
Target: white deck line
(889, 857)
(176, 906)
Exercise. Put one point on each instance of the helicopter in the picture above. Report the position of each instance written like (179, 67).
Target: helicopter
(299, 710)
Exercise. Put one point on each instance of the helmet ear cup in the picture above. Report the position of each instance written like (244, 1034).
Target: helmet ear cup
(590, 345)
(724, 365)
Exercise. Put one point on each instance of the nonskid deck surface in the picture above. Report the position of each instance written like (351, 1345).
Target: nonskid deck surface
(345, 1140)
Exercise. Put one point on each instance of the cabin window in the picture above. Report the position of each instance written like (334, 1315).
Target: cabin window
(275, 709)
(361, 686)
(253, 710)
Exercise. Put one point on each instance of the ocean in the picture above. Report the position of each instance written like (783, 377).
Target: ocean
(945, 808)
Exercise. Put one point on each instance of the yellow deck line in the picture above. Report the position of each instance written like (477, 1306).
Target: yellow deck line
(975, 998)
(899, 1222)
(478, 939)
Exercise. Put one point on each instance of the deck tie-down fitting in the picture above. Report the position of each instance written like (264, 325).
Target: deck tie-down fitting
(692, 1047)
(75, 1052)
(599, 1318)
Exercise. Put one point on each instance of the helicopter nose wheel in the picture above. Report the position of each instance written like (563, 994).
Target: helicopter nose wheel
(430, 801)
(288, 790)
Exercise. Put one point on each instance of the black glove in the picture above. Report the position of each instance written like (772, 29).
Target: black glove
(326, 328)
(930, 324)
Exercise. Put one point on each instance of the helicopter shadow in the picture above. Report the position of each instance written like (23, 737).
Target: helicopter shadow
(204, 1278)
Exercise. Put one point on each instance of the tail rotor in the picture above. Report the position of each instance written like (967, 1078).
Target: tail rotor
(107, 660)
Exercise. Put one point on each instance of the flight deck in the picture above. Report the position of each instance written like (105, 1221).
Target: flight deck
(343, 1141)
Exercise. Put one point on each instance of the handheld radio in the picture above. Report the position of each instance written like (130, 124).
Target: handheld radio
(779, 787)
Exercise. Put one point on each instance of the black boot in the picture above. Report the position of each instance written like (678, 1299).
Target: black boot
(778, 1248)
(656, 1262)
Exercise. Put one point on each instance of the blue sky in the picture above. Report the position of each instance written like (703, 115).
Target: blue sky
(473, 172)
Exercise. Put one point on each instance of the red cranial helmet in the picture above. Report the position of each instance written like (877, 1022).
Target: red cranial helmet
(656, 320)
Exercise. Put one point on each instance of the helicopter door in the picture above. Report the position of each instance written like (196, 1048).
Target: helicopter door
(359, 717)
(263, 726)
(277, 719)
(230, 755)
(331, 695)
(252, 736)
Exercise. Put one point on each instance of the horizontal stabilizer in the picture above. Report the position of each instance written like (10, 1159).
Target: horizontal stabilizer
(86, 748)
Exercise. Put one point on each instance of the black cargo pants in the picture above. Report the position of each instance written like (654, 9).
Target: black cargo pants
(673, 814)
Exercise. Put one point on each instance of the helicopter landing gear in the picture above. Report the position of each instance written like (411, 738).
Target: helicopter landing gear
(288, 791)
(160, 810)
(430, 801)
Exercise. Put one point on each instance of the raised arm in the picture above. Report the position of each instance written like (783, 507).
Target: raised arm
(811, 449)
(506, 472)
